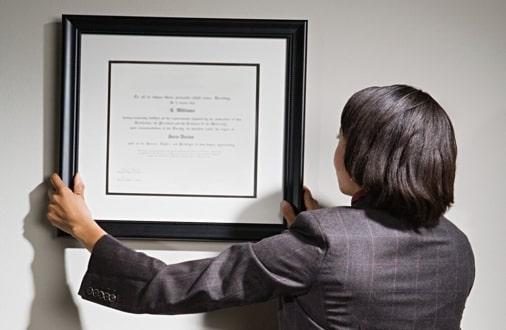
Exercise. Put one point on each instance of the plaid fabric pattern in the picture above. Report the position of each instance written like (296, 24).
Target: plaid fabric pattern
(336, 268)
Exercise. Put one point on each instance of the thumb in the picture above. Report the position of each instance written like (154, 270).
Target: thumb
(288, 212)
(309, 201)
(78, 185)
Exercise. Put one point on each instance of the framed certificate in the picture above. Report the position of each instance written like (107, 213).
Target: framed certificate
(184, 128)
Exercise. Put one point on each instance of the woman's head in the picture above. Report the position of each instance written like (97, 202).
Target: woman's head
(399, 145)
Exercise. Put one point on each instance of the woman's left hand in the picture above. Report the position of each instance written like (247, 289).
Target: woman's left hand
(287, 209)
(67, 210)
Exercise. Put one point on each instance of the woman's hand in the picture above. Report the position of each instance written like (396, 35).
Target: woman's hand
(67, 210)
(287, 209)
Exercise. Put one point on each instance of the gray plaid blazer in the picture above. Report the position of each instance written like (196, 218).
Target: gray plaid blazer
(336, 268)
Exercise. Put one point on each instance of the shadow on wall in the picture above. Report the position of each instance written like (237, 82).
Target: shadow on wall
(249, 317)
(52, 305)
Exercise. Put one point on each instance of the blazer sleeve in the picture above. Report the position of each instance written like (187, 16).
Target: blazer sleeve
(281, 265)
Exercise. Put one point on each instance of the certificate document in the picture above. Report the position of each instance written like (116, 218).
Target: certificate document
(182, 129)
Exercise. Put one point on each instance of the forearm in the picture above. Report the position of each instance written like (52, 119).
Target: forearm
(142, 284)
(244, 273)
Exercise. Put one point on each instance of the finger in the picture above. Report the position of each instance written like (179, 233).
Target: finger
(53, 217)
(57, 222)
(78, 185)
(309, 201)
(54, 209)
(57, 182)
(288, 212)
(50, 193)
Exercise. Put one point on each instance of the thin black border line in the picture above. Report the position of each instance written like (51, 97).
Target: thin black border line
(255, 174)
(108, 127)
(257, 105)
(179, 62)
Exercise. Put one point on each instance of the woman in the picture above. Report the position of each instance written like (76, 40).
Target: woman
(390, 261)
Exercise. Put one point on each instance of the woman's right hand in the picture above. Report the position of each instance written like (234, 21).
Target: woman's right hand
(287, 209)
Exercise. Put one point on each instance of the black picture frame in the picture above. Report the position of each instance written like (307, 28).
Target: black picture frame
(295, 34)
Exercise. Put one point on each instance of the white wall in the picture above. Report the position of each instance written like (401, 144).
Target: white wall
(455, 50)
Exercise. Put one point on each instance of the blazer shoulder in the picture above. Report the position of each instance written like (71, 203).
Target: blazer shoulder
(338, 215)
(337, 222)
(317, 220)
(336, 210)
(454, 231)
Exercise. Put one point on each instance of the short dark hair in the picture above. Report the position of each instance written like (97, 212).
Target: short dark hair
(400, 147)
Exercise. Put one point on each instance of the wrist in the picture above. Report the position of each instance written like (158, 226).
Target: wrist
(89, 234)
